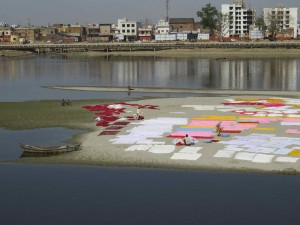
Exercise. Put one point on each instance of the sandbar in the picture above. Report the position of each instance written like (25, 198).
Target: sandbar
(103, 150)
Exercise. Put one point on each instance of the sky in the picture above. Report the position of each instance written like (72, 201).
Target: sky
(47, 12)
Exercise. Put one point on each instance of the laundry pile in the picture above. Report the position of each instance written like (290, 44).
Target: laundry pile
(109, 116)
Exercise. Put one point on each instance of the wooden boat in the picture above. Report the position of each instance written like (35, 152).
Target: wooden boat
(30, 149)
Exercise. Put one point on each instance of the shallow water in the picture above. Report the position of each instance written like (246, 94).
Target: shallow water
(10, 140)
(90, 195)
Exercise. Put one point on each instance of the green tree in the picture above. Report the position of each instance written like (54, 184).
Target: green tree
(209, 18)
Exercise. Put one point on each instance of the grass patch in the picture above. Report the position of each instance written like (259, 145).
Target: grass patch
(42, 114)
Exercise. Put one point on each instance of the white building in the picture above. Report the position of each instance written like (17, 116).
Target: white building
(129, 29)
(162, 27)
(287, 17)
(3, 24)
(255, 34)
(239, 18)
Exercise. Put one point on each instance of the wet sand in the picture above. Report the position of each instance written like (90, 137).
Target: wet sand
(295, 94)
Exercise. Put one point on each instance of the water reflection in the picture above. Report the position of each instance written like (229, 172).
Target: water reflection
(197, 73)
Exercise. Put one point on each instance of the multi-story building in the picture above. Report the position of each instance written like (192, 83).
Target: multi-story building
(182, 24)
(3, 24)
(145, 33)
(99, 32)
(29, 34)
(129, 29)
(286, 18)
(93, 33)
(106, 33)
(5, 33)
(71, 32)
(49, 34)
(239, 18)
(47, 31)
(162, 27)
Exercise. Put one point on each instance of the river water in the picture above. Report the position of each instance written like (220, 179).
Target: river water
(23, 79)
(61, 194)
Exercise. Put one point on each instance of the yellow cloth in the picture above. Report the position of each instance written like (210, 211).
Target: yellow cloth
(295, 152)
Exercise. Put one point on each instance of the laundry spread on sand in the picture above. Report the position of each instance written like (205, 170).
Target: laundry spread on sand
(205, 127)
(108, 116)
(246, 132)
(108, 132)
(146, 131)
(187, 153)
(259, 148)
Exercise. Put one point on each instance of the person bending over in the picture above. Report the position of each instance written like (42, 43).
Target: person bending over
(187, 140)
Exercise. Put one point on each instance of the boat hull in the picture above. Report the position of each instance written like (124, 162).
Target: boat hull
(43, 150)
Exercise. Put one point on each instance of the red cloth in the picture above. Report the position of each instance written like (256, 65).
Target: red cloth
(106, 132)
(108, 114)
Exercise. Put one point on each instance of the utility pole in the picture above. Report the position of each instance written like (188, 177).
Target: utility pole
(167, 9)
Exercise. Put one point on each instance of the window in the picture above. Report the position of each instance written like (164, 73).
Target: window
(123, 25)
(132, 31)
(123, 31)
(128, 31)
(132, 25)
(128, 25)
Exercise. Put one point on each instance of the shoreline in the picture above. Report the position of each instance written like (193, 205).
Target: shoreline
(295, 94)
(99, 150)
(217, 53)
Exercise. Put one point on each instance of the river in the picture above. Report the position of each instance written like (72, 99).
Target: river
(64, 194)
(23, 79)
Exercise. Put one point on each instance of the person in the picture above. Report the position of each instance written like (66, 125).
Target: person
(62, 103)
(138, 113)
(187, 140)
(218, 129)
(97, 119)
(129, 89)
